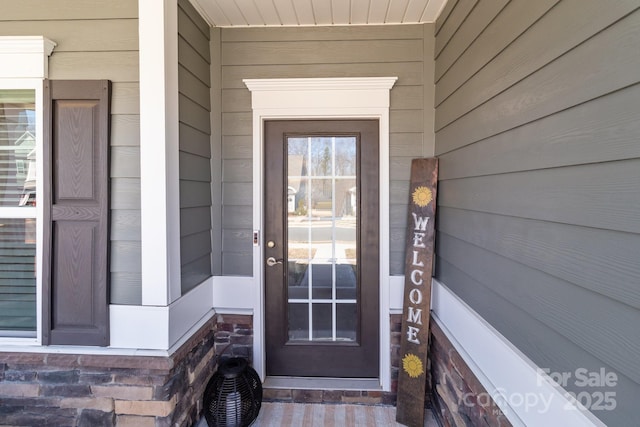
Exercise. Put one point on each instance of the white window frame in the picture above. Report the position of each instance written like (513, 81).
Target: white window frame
(24, 65)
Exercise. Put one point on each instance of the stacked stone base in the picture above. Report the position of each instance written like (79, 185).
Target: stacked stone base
(458, 397)
(107, 390)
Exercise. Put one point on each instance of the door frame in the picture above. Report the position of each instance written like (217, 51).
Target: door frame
(320, 98)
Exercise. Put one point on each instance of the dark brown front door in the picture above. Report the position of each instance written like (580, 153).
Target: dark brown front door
(321, 248)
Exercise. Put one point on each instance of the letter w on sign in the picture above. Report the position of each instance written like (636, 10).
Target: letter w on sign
(412, 376)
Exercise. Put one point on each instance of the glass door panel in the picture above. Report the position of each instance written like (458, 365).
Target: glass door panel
(322, 238)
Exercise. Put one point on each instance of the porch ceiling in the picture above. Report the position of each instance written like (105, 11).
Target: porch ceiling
(261, 13)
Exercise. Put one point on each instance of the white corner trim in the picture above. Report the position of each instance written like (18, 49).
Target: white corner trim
(321, 98)
(25, 56)
(159, 164)
(503, 370)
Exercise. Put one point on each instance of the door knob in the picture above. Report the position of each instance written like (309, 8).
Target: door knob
(271, 261)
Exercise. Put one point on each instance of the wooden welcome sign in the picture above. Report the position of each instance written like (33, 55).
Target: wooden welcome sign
(412, 376)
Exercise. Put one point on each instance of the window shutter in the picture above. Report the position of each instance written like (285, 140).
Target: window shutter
(76, 238)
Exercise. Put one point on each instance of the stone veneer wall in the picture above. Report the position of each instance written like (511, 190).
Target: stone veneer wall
(107, 390)
(458, 397)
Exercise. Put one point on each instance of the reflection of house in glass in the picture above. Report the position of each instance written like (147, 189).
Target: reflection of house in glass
(25, 158)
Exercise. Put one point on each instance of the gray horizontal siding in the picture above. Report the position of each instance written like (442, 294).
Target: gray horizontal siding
(539, 201)
(402, 51)
(99, 40)
(194, 83)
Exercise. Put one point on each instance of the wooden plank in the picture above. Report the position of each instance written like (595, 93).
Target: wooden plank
(570, 137)
(195, 220)
(237, 263)
(194, 167)
(194, 194)
(236, 100)
(601, 195)
(544, 346)
(321, 52)
(237, 193)
(420, 234)
(125, 193)
(193, 88)
(240, 170)
(475, 23)
(237, 240)
(601, 65)
(115, 66)
(216, 153)
(428, 90)
(454, 20)
(582, 316)
(237, 124)
(194, 273)
(237, 147)
(406, 98)
(408, 73)
(398, 193)
(69, 9)
(125, 130)
(125, 99)
(192, 61)
(194, 141)
(237, 216)
(78, 35)
(187, 8)
(406, 121)
(193, 35)
(125, 162)
(125, 256)
(444, 15)
(567, 252)
(328, 33)
(399, 168)
(126, 288)
(528, 53)
(406, 144)
(396, 263)
(511, 22)
(125, 224)
(194, 246)
(193, 114)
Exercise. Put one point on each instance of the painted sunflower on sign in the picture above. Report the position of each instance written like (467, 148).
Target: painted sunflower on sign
(422, 196)
(412, 365)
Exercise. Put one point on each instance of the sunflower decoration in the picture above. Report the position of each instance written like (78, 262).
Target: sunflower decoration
(412, 365)
(422, 196)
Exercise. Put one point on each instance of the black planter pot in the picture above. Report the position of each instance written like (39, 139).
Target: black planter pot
(233, 395)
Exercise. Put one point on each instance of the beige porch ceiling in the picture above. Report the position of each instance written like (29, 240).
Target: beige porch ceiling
(261, 13)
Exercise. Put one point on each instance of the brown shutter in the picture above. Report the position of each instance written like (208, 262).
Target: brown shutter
(76, 204)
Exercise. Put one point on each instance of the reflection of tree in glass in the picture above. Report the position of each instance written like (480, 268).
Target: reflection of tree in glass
(346, 156)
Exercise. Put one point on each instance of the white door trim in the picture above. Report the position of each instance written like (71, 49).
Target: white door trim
(321, 98)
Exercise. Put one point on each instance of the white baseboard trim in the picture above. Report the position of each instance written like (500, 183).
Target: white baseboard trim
(525, 396)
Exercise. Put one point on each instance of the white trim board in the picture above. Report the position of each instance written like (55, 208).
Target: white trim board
(321, 98)
(502, 369)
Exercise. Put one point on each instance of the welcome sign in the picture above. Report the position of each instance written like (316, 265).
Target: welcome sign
(412, 377)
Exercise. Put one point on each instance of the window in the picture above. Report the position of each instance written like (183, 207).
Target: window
(18, 217)
(23, 66)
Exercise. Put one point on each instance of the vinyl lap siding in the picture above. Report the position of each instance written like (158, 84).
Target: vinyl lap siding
(539, 208)
(195, 148)
(99, 40)
(321, 52)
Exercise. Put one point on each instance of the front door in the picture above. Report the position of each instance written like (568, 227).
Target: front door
(321, 248)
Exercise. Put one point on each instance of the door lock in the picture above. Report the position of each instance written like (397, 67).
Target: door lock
(271, 261)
